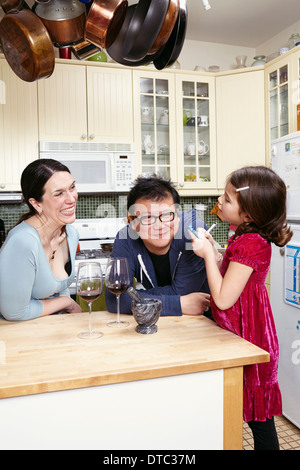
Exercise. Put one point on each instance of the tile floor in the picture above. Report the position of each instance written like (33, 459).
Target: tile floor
(288, 435)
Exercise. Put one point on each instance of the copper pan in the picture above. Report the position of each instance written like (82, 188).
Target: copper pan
(27, 45)
(104, 21)
(167, 27)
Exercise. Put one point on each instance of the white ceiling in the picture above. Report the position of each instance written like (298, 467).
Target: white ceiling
(246, 23)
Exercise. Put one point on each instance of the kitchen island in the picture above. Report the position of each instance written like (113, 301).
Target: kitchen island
(180, 388)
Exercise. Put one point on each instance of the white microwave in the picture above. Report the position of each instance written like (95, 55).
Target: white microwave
(95, 166)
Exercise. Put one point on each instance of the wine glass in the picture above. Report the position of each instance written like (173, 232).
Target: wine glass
(117, 279)
(89, 287)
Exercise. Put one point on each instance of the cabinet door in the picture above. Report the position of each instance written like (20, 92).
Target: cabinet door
(62, 104)
(295, 101)
(278, 93)
(110, 113)
(240, 122)
(154, 117)
(196, 133)
(18, 127)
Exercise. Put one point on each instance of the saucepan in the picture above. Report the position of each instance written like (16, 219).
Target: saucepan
(64, 20)
(144, 27)
(8, 5)
(171, 50)
(115, 51)
(26, 45)
(167, 26)
(104, 21)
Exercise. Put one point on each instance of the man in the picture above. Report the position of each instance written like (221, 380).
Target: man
(159, 252)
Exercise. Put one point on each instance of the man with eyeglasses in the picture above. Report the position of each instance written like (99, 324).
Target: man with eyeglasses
(158, 247)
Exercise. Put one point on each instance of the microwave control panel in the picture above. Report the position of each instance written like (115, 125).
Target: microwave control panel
(124, 170)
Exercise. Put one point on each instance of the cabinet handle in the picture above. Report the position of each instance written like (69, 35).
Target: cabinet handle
(2, 185)
(83, 136)
(181, 185)
(92, 136)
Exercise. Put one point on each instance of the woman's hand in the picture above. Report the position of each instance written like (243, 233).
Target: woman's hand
(73, 308)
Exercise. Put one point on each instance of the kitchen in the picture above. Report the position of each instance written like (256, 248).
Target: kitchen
(205, 192)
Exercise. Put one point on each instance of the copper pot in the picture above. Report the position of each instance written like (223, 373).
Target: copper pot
(104, 21)
(27, 45)
(64, 19)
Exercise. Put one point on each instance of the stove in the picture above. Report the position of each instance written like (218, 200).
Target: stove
(96, 237)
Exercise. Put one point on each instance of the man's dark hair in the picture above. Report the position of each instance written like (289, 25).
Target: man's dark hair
(153, 187)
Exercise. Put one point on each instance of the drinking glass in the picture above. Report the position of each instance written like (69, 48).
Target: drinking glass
(117, 280)
(89, 287)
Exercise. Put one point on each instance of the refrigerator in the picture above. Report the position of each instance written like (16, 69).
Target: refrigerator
(285, 278)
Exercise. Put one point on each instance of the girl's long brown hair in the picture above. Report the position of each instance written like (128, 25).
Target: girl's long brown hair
(264, 202)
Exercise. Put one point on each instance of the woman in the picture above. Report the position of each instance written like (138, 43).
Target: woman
(37, 258)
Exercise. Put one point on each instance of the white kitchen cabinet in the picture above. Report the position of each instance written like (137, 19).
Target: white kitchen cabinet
(282, 95)
(18, 127)
(240, 121)
(83, 103)
(155, 125)
(196, 134)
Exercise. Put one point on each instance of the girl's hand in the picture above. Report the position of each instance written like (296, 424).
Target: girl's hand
(202, 244)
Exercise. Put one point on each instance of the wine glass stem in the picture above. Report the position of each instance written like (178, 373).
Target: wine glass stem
(118, 309)
(90, 311)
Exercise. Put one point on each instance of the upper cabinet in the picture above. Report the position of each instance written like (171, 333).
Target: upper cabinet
(18, 127)
(155, 126)
(282, 78)
(240, 121)
(196, 133)
(81, 103)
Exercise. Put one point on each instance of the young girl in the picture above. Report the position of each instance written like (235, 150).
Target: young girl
(255, 201)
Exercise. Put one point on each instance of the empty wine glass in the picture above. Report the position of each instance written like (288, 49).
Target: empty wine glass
(89, 287)
(117, 279)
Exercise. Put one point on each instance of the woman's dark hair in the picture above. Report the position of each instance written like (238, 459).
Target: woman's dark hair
(264, 202)
(34, 178)
(152, 187)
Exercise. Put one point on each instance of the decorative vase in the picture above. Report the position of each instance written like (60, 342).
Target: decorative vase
(241, 61)
(259, 60)
(293, 39)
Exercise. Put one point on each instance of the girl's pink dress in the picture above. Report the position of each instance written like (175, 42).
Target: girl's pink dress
(251, 318)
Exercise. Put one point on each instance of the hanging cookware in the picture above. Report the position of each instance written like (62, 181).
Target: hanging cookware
(8, 5)
(167, 27)
(144, 27)
(27, 45)
(171, 50)
(104, 21)
(64, 20)
(115, 51)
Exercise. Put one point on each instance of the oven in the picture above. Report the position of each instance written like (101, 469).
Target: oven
(96, 238)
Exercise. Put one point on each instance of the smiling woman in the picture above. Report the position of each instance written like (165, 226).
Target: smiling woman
(37, 258)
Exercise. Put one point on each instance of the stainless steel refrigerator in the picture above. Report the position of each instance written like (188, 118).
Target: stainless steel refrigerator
(285, 279)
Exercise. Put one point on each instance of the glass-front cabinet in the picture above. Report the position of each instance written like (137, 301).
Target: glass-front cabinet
(278, 91)
(154, 112)
(196, 151)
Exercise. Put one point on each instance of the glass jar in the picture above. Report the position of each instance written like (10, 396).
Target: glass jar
(295, 37)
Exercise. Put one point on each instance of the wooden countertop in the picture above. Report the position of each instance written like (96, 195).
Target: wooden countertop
(45, 354)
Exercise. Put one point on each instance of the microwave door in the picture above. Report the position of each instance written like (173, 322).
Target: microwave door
(91, 175)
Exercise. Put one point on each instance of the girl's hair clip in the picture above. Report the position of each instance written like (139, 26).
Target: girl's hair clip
(241, 189)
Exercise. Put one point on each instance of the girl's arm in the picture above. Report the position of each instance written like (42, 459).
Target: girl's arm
(225, 291)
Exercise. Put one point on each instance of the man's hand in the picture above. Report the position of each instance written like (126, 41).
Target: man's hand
(195, 303)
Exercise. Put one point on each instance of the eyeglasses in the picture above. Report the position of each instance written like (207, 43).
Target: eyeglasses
(149, 219)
